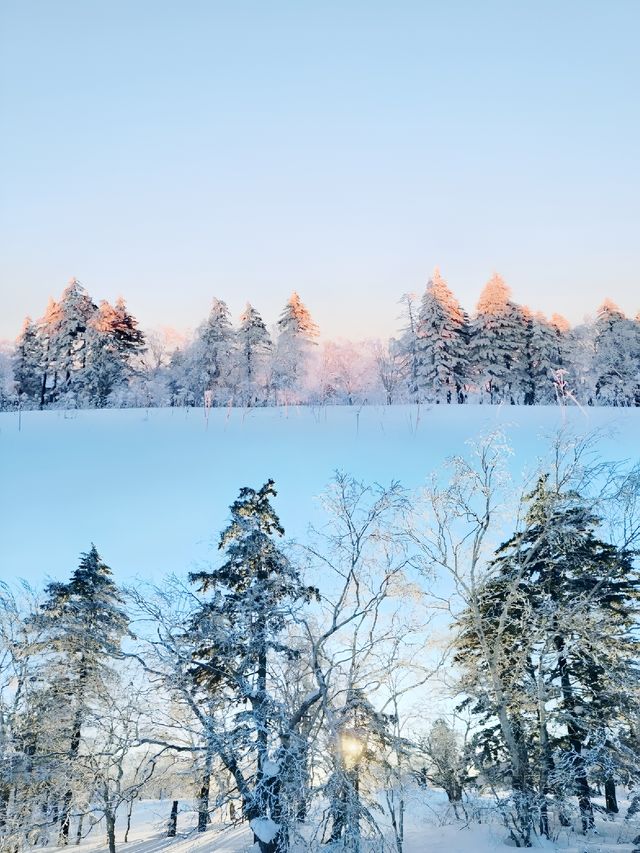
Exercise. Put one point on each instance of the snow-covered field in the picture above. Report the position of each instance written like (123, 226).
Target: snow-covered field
(152, 487)
(430, 828)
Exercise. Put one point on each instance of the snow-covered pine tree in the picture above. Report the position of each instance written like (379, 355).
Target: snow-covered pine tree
(441, 333)
(28, 363)
(545, 360)
(297, 334)
(235, 633)
(82, 623)
(254, 345)
(563, 605)
(66, 324)
(498, 345)
(616, 359)
(120, 324)
(212, 356)
(113, 341)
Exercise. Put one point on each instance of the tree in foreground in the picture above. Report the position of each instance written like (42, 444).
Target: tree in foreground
(236, 634)
(82, 623)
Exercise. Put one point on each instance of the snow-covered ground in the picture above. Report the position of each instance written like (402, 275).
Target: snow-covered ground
(152, 487)
(430, 827)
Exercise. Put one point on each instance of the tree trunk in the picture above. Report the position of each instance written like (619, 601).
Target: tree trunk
(575, 741)
(110, 820)
(203, 797)
(173, 820)
(611, 801)
(79, 831)
(129, 812)
(74, 748)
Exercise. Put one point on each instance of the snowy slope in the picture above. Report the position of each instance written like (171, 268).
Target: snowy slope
(152, 488)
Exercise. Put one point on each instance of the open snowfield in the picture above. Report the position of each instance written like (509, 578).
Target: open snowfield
(152, 487)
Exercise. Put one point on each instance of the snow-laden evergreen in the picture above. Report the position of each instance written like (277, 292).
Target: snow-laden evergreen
(81, 355)
(442, 334)
(297, 334)
(254, 347)
(498, 346)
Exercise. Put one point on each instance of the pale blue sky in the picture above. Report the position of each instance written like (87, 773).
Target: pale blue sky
(173, 151)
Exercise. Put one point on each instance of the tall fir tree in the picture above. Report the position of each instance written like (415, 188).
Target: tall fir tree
(82, 622)
(498, 345)
(213, 356)
(67, 326)
(113, 342)
(297, 334)
(254, 346)
(235, 634)
(441, 333)
(563, 605)
(28, 363)
(544, 354)
(616, 357)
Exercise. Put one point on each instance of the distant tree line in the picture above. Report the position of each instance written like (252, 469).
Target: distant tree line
(83, 354)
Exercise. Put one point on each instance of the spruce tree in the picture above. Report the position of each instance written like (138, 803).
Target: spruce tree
(498, 345)
(67, 323)
(441, 333)
(544, 361)
(235, 634)
(297, 335)
(212, 356)
(28, 363)
(563, 604)
(616, 359)
(254, 345)
(83, 622)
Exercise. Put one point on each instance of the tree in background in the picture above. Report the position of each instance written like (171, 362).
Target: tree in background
(212, 357)
(441, 344)
(616, 357)
(28, 363)
(297, 334)
(498, 343)
(253, 348)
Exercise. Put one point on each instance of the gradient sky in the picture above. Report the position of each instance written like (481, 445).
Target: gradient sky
(173, 151)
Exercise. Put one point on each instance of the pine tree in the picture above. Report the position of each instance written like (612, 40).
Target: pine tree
(112, 342)
(28, 363)
(297, 335)
(212, 356)
(545, 360)
(83, 622)
(236, 633)
(616, 360)
(498, 344)
(563, 604)
(441, 333)
(67, 323)
(118, 323)
(254, 345)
